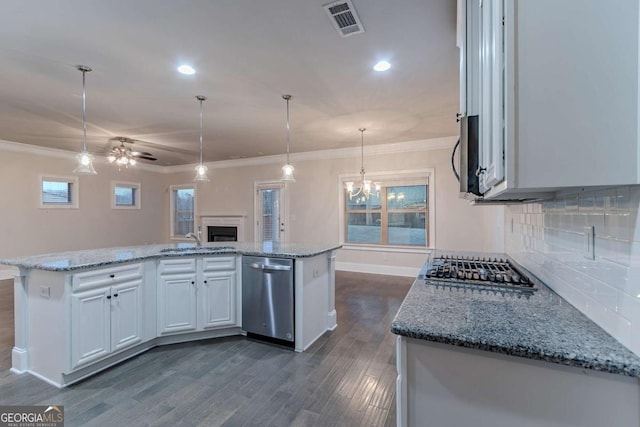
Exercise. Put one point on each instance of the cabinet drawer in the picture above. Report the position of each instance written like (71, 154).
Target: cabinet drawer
(219, 263)
(177, 265)
(106, 276)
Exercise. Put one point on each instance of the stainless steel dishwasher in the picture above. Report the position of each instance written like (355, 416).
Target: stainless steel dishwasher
(268, 298)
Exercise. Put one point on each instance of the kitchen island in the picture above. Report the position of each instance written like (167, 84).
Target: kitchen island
(77, 313)
(482, 357)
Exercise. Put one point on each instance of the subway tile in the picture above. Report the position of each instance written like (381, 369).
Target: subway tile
(571, 203)
(598, 201)
(611, 224)
(623, 199)
(586, 203)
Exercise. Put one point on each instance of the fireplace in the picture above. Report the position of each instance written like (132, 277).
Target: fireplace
(223, 228)
(220, 233)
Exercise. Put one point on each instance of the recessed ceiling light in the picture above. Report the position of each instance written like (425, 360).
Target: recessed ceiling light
(382, 66)
(186, 69)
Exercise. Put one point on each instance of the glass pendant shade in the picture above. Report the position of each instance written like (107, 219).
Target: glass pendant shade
(85, 164)
(287, 173)
(287, 169)
(201, 169)
(84, 159)
(201, 174)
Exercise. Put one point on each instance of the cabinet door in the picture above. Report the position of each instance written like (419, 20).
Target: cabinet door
(177, 310)
(492, 102)
(90, 326)
(219, 301)
(127, 314)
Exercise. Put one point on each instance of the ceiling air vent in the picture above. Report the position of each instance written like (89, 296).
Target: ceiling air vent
(344, 18)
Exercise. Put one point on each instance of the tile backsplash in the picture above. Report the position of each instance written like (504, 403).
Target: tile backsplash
(549, 239)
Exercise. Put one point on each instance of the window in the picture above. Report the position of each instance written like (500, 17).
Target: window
(399, 215)
(183, 199)
(58, 192)
(125, 195)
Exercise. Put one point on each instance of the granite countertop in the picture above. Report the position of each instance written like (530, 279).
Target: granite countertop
(543, 326)
(76, 260)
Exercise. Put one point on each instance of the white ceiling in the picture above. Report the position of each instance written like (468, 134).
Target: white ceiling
(247, 54)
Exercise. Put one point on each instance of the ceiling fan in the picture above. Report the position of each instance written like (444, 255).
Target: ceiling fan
(122, 155)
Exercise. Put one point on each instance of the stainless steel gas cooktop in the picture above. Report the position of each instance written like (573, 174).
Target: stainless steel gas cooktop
(477, 273)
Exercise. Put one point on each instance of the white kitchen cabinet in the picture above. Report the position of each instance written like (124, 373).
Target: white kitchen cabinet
(559, 95)
(90, 326)
(195, 294)
(105, 320)
(177, 303)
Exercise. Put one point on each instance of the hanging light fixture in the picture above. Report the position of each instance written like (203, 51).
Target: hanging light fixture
(122, 156)
(365, 184)
(84, 159)
(201, 169)
(287, 170)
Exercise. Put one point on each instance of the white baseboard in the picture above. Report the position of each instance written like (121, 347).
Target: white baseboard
(389, 270)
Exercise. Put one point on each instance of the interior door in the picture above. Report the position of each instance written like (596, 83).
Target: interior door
(270, 213)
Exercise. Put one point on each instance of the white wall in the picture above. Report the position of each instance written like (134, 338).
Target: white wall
(548, 239)
(314, 208)
(26, 229)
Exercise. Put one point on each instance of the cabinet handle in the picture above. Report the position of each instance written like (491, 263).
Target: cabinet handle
(112, 275)
(205, 282)
(108, 296)
(193, 283)
(115, 295)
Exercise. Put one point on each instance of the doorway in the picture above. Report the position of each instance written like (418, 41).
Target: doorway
(271, 213)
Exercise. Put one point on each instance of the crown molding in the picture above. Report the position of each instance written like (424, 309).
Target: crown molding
(338, 153)
(19, 147)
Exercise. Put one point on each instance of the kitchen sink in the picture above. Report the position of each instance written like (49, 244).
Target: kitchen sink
(182, 249)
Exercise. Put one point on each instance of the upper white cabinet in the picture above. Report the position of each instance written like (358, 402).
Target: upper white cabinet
(559, 92)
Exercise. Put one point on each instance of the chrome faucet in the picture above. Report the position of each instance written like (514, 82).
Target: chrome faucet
(196, 236)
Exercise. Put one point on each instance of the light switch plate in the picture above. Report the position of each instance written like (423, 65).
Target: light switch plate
(45, 292)
(589, 242)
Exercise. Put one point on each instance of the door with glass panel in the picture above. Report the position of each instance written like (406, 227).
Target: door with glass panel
(271, 227)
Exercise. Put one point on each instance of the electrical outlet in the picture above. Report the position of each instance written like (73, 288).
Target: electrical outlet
(45, 292)
(316, 273)
(589, 242)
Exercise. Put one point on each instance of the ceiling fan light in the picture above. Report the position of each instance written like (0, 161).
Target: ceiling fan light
(85, 164)
(201, 174)
(132, 161)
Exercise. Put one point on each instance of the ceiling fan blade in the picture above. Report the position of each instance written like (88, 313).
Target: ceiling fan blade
(153, 159)
(140, 153)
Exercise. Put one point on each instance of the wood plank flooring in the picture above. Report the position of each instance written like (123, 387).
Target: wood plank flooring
(347, 378)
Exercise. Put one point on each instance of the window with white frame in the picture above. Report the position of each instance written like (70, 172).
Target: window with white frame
(183, 208)
(58, 192)
(125, 195)
(399, 215)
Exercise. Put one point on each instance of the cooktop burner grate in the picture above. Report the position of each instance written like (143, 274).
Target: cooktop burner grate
(477, 273)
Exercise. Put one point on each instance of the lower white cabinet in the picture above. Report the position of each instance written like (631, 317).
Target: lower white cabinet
(196, 294)
(105, 320)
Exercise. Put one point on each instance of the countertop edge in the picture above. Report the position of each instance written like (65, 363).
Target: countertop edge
(20, 263)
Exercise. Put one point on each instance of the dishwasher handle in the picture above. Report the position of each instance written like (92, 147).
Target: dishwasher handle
(265, 267)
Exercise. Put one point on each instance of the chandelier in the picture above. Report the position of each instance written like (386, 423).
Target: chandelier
(365, 184)
(122, 156)
(84, 159)
(287, 169)
(201, 169)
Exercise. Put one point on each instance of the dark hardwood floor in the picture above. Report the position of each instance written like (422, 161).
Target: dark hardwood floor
(347, 378)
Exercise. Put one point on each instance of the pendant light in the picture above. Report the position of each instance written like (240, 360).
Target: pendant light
(84, 159)
(287, 170)
(201, 169)
(365, 184)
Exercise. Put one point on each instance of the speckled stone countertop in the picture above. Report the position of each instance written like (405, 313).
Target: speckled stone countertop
(543, 326)
(68, 261)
